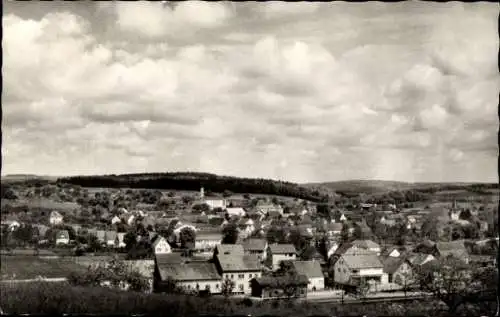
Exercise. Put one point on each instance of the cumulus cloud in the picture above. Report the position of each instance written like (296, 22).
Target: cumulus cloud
(240, 89)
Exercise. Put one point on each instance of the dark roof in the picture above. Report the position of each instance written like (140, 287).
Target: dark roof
(365, 244)
(255, 245)
(168, 258)
(417, 259)
(229, 249)
(311, 269)
(282, 248)
(453, 248)
(282, 281)
(194, 271)
(391, 264)
(235, 263)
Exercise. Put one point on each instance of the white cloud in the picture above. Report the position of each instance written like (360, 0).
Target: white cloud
(203, 86)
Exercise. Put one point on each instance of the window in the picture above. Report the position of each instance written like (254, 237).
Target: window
(338, 269)
(197, 286)
(241, 275)
(355, 271)
(217, 286)
(241, 287)
(189, 286)
(232, 276)
(250, 275)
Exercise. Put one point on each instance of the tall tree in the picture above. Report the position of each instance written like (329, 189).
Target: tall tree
(230, 234)
(187, 237)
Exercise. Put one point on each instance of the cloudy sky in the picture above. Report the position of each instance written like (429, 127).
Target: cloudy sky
(303, 92)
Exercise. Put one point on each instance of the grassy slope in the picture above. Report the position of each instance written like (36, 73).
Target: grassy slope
(28, 267)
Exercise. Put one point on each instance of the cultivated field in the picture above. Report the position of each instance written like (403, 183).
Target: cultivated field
(30, 267)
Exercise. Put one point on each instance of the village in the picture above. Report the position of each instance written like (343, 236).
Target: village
(261, 247)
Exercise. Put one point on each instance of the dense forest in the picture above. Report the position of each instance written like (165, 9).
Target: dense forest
(193, 181)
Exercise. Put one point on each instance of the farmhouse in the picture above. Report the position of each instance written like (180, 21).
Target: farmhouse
(238, 268)
(62, 237)
(55, 218)
(267, 208)
(279, 286)
(398, 269)
(312, 270)
(194, 276)
(256, 247)
(161, 246)
(366, 245)
(280, 252)
(455, 249)
(353, 268)
(239, 212)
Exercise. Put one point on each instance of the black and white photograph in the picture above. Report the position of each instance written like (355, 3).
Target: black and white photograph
(273, 158)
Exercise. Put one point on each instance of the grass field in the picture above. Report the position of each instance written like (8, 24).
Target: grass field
(43, 203)
(29, 267)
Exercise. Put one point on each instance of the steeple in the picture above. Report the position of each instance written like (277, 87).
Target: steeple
(202, 192)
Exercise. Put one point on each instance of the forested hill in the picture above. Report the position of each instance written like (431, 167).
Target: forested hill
(193, 181)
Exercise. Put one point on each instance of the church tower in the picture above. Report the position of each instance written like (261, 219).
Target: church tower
(202, 192)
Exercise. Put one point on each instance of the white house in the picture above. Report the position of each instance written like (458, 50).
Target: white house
(161, 246)
(207, 241)
(265, 208)
(398, 270)
(354, 268)
(240, 212)
(55, 218)
(276, 253)
(215, 202)
(312, 270)
(62, 237)
(194, 276)
(366, 245)
(120, 240)
(115, 220)
(239, 268)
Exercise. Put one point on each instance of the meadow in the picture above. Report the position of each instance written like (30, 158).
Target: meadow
(30, 267)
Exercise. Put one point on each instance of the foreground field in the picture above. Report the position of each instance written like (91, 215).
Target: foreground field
(31, 267)
(44, 298)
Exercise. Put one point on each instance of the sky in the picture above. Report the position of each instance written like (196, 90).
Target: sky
(302, 92)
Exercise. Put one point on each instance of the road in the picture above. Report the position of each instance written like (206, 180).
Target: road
(351, 300)
(56, 279)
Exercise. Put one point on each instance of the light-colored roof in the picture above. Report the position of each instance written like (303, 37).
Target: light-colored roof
(366, 244)
(169, 258)
(311, 269)
(194, 271)
(238, 263)
(282, 248)
(229, 249)
(208, 236)
(110, 235)
(362, 261)
(235, 211)
(255, 245)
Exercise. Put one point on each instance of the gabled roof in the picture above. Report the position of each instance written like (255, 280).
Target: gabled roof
(282, 281)
(229, 249)
(311, 269)
(238, 263)
(157, 239)
(418, 258)
(255, 245)
(170, 258)
(362, 261)
(193, 271)
(453, 248)
(55, 214)
(365, 244)
(282, 248)
(391, 264)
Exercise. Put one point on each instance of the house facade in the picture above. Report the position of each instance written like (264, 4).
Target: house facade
(207, 241)
(161, 246)
(279, 287)
(62, 237)
(256, 247)
(276, 253)
(55, 218)
(240, 269)
(354, 268)
(312, 270)
(192, 277)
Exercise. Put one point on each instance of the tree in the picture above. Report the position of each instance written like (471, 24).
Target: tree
(344, 234)
(297, 239)
(230, 234)
(429, 229)
(130, 240)
(227, 193)
(276, 235)
(187, 237)
(227, 287)
(452, 282)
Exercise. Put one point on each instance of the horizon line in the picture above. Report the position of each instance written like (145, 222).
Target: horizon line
(269, 178)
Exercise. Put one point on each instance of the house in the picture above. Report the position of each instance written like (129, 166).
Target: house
(455, 249)
(110, 238)
(192, 276)
(393, 251)
(120, 239)
(353, 268)
(257, 247)
(419, 259)
(367, 245)
(161, 246)
(115, 220)
(279, 286)
(280, 252)
(55, 218)
(238, 268)
(398, 270)
(62, 237)
(229, 249)
(101, 236)
(312, 270)
(212, 202)
(266, 208)
(207, 241)
(334, 229)
(239, 212)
